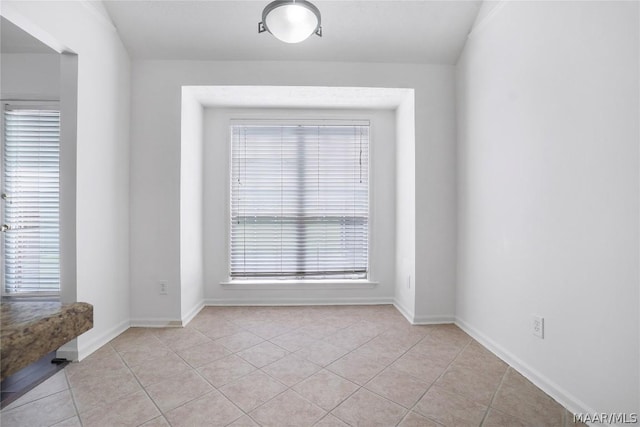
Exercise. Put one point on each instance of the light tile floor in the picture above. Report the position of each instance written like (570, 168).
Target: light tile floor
(290, 366)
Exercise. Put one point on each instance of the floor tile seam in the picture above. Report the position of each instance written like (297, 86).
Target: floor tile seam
(247, 413)
(291, 387)
(266, 341)
(144, 389)
(493, 397)
(185, 361)
(538, 393)
(297, 382)
(477, 371)
(390, 365)
(325, 416)
(111, 402)
(124, 364)
(231, 381)
(244, 328)
(345, 378)
(429, 417)
(363, 344)
(352, 350)
(376, 394)
(259, 367)
(422, 415)
(151, 331)
(304, 379)
(436, 380)
(157, 416)
(131, 366)
(66, 419)
(274, 336)
(341, 419)
(216, 338)
(388, 399)
(5, 411)
(165, 378)
(358, 387)
(199, 374)
(73, 398)
(59, 421)
(164, 414)
(175, 350)
(487, 379)
(519, 416)
(409, 408)
(299, 395)
(8, 409)
(282, 382)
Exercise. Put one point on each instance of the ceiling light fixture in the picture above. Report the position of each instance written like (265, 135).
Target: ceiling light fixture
(291, 21)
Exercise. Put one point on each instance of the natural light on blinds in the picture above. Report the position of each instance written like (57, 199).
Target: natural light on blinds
(31, 164)
(299, 201)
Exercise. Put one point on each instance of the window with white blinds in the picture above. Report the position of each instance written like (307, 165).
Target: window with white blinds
(31, 202)
(299, 201)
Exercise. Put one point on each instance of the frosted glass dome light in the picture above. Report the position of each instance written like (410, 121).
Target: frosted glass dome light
(291, 21)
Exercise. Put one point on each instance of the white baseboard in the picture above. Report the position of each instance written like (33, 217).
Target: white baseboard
(80, 348)
(405, 311)
(433, 319)
(298, 301)
(573, 404)
(192, 313)
(421, 320)
(156, 322)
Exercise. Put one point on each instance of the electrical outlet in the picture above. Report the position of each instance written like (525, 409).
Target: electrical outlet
(409, 281)
(538, 326)
(163, 288)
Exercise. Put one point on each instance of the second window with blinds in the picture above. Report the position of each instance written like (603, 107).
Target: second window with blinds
(299, 200)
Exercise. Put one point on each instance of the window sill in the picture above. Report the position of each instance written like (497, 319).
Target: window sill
(298, 284)
(31, 297)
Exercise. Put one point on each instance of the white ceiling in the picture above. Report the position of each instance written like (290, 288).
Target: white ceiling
(353, 31)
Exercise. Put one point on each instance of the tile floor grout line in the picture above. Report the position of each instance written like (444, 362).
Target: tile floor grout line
(141, 386)
(325, 368)
(321, 368)
(198, 373)
(9, 409)
(519, 417)
(493, 396)
(360, 387)
(291, 387)
(384, 323)
(73, 398)
(440, 376)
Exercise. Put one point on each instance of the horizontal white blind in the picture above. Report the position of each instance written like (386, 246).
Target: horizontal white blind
(299, 201)
(31, 165)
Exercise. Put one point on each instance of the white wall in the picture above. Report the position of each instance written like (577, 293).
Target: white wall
(102, 179)
(382, 208)
(30, 76)
(405, 205)
(191, 211)
(435, 212)
(155, 162)
(548, 108)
